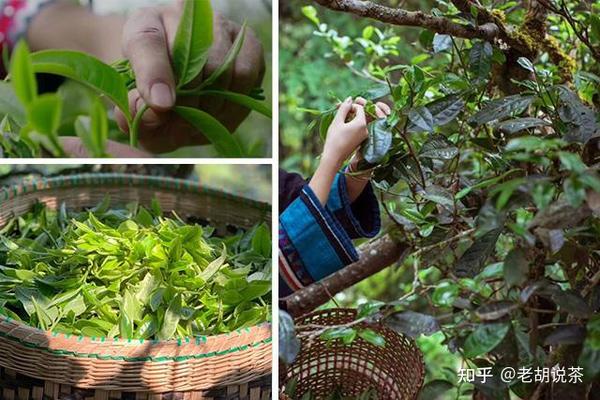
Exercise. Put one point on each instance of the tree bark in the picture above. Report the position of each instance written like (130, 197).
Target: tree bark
(374, 257)
(398, 16)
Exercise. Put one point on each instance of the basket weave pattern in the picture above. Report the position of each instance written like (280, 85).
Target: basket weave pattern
(395, 371)
(229, 364)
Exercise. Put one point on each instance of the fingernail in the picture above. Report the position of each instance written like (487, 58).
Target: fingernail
(161, 95)
(348, 100)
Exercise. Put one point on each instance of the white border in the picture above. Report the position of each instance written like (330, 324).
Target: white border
(275, 202)
(273, 161)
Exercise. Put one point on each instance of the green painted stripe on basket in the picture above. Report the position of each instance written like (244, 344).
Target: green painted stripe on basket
(99, 179)
(133, 359)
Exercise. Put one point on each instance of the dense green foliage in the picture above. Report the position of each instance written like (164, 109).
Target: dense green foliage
(487, 169)
(32, 124)
(132, 273)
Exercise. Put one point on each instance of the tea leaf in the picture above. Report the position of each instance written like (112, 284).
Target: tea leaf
(172, 317)
(193, 40)
(378, 143)
(230, 58)
(105, 274)
(99, 128)
(240, 99)
(87, 70)
(215, 132)
(484, 339)
(44, 113)
(22, 74)
(10, 105)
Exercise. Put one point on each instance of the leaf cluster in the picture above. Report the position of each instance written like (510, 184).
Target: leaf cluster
(131, 273)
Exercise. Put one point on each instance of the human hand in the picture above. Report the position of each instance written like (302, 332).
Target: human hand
(75, 148)
(147, 41)
(349, 129)
(382, 111)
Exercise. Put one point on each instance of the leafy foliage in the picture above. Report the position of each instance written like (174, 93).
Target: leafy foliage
(131, 273)
(491, 179)
(33, 124)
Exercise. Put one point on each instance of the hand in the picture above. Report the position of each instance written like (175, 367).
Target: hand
(75, 148)
(147, 39)
(382, 111)
(349, 129)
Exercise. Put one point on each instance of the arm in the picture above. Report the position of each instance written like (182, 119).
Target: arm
(85, 31)
(343, 139)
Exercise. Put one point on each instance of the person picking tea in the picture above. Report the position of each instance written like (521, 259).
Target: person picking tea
(319, 218)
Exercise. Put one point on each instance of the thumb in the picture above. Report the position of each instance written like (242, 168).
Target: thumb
(145, 43)
(343, 111)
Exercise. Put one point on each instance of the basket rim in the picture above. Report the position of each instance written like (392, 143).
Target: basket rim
(100, 342)
(27, 186)
(8, 324)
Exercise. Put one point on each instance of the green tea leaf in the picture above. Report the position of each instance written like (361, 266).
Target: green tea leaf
(193, 40)
(87, 70)
(372, 337)
(480, 58)
(44, 113)
(22, 74)
(214, 266)
(229, 60)
(484, 339)
(172, 317)
(472, 261)
(99, 128)
(241, 99)
(261, 241)
(215, 132)
(378, 143)
(422, 119)
(10, 105)
(501, 108)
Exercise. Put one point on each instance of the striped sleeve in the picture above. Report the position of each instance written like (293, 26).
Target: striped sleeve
(361, 218)
(312, 243)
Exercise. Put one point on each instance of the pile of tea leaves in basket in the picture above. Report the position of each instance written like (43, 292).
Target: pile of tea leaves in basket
(131, 273)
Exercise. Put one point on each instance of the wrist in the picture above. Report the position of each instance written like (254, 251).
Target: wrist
(331, 161)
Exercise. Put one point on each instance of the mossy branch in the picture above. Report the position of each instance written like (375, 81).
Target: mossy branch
(398, 16)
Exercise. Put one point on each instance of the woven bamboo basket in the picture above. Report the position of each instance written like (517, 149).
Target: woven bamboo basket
(47, 365)
(395, 371)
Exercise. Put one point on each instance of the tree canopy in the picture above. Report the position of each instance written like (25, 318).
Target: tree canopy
(487, 171)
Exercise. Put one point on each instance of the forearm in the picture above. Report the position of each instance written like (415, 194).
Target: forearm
(356, 182)
(65, 25)
(323, 178)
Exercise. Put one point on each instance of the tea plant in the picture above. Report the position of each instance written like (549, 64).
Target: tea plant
(291, 392)
(32, 123)
(131, 273)
(487, 171)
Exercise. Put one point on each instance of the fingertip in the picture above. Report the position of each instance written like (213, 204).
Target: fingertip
(162, 97)
(121, 120)
(384, 107)
(361, 101)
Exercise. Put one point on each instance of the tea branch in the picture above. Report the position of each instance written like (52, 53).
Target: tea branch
(398, 16)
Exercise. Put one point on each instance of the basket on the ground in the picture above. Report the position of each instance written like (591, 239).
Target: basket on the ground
(46, 365)
(394, 371)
